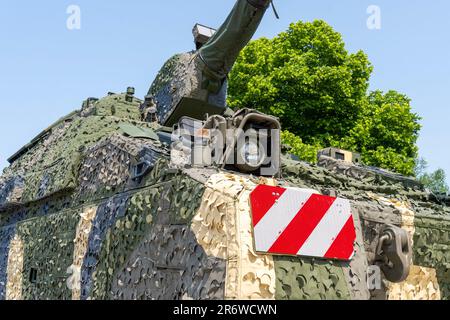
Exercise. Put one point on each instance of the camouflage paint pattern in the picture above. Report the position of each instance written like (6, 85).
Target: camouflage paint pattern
(72, 212)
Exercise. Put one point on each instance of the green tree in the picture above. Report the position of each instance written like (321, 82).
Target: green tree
(436, 181)
(305, 151)
(307, 78)
(386, 133)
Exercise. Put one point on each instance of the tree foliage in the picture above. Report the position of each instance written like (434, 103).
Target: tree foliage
(436, 181)
(386, 132)
(305, 151)
(319, 90)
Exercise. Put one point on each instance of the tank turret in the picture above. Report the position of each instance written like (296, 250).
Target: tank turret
(194, 84)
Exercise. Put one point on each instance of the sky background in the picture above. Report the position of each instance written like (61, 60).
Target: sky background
(47, 70)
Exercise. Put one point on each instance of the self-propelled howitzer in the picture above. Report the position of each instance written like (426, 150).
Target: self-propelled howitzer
(100, 205)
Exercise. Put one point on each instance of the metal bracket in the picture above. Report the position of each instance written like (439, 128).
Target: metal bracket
(394, 253)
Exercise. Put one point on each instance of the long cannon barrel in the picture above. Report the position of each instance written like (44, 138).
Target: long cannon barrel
(221, 51)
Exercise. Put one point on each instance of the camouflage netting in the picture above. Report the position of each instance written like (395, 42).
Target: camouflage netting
(181, 77)
(382, 199)
(166, 74)
(305, 279)
(6, 236)
(52, 165)
(222, 226)
(79, 242)
(48, 250)
(168, 263)
(432, 248)
(91, 209)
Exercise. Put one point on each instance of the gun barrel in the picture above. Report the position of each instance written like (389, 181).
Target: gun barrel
(221, 51)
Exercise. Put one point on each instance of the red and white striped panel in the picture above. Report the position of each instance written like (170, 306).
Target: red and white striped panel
(297, 222)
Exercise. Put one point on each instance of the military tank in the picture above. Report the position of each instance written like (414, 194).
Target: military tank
(164, 198)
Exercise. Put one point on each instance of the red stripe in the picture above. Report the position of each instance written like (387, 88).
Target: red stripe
(342, 247)
(262, 199)
(301, 227)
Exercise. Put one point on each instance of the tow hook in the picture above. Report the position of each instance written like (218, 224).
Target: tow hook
(394, 253)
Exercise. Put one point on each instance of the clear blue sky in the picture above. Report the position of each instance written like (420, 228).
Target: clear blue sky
(47, 70)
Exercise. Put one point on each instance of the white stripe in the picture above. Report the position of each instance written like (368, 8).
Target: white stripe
(327, 230)
(278, 218)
